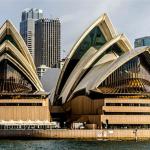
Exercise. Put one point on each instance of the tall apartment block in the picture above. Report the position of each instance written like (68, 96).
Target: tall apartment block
(47, 39)
(143, 41)
(27, 27)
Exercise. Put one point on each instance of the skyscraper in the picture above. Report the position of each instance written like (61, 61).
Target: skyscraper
(144, 41)
(47, 39)
(27, 27)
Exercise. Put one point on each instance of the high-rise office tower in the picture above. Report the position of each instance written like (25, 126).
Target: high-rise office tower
(27, 27)
(144, 41)
(47, 39)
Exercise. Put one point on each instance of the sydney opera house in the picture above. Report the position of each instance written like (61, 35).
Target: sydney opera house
(22, 98)
(104, 81)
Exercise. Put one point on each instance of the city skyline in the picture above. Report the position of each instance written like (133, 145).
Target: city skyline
(121, 12)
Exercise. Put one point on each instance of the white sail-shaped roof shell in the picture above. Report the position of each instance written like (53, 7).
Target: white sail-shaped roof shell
(100, 72)
(8, 29)
(87, 62)
(86, 69)
(108, 31)
(15, 50)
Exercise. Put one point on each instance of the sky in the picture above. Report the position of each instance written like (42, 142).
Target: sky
(131, 17)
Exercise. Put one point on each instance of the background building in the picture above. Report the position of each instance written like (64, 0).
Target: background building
(144, 41)
(27, 27)
(47, 39)
(41, 70)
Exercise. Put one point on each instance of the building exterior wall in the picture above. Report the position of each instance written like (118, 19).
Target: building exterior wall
(126, 112)
(125, 109)
(126, 119)
(83, 105)
(115, 112)
(24, 113)
(84, 109)
(47, 43)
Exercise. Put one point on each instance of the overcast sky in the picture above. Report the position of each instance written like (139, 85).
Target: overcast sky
(131, 17)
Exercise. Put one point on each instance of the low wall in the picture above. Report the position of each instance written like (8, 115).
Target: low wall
(78, 134)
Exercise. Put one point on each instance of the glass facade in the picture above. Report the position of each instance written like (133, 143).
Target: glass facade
(132, 77)
(94, 39)
(147, 41)
(12, 80)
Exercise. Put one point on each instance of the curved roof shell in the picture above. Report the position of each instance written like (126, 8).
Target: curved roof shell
(13, 49)
(98, 40)
(102, 75)
(108, 52)
(8, 31)
(89, 47)
(101, 72)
